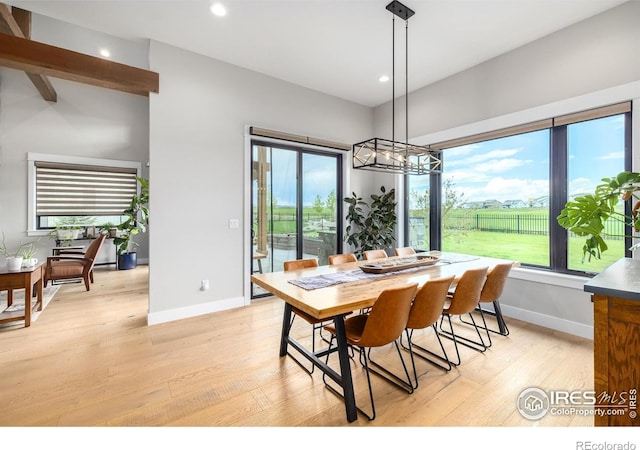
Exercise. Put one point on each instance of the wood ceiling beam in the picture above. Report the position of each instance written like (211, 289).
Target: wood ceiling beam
(48, 60)
(17, 22)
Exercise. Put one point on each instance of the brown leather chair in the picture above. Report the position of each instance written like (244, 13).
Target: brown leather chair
(298, 264)
(405, 251)
(383, 325)
(374, 254)
(491, 293)
(463, 301)
(342, 258)
(426, 309)
(73, 264)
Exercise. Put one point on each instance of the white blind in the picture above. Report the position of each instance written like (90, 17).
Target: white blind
(79, 190)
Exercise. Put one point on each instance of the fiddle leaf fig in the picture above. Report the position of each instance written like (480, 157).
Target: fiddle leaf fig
(586, 215)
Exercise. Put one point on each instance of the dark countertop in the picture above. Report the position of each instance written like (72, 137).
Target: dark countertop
(621, 279)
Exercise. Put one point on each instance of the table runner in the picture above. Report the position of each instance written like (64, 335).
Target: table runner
(348, 276)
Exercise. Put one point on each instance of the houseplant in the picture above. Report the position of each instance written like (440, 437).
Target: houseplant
(136, 221)
(14, 258)
(109, 229)
(587, 215)
(371, 226)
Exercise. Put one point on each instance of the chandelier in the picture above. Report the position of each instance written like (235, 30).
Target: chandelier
(390, 155)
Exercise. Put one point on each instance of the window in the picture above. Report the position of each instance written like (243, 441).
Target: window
(500, 192)
(79, 191)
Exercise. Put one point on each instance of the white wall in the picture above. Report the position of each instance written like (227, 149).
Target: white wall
(200, 171)
(86, 121)
(593, 63)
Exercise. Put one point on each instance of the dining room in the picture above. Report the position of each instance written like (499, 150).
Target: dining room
(249, 170)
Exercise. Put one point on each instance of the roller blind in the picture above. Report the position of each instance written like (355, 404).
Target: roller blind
(263, 132)
(79, 190)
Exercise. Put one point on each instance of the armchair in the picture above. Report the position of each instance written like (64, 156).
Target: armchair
(73, 264)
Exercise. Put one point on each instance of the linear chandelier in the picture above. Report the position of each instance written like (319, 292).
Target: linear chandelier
(390, 155)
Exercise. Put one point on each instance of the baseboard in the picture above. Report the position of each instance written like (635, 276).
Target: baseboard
(543, 320)
(193, 311)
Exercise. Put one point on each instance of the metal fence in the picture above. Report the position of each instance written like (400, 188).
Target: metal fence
(537, 224)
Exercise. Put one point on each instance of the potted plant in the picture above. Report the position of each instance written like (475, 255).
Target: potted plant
(371, 226)
(14, 258)
(108, 228)
(587, 215)
(136, 221)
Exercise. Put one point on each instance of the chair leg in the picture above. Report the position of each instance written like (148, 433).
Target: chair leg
(502, 330)
(441, 361)
(404, 384)
(478, 345)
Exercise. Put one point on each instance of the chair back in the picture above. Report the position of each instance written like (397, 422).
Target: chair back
(94, 248)
(374, 254)
(298, 264)
(494, 285)
(428, 303)
(388, 316)
(405, 251)
(342, 258)
(467, 294)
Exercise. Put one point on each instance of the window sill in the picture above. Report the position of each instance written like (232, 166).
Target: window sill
(551, 278)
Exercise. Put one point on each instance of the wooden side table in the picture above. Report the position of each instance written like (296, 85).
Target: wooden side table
(26, 279)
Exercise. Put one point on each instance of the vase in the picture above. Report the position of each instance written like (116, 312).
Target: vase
(14, 263)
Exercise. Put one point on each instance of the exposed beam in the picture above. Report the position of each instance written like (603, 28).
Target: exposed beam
(36, 57)
(17, 22)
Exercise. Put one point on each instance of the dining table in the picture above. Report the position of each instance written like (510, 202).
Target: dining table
(329, 293)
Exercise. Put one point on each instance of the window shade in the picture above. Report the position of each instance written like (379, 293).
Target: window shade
(263, 132)
(77, 190)
(595, 113)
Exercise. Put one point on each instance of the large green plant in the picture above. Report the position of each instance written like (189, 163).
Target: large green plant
(136, 221)
(586, 215)
(371, 226)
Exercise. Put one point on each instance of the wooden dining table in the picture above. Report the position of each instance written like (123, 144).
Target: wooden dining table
(316, 292)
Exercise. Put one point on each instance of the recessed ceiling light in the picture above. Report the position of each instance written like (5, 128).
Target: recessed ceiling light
(383, 78)
(218, 9)
(105, 52)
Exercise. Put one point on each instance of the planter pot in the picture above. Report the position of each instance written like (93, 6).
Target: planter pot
(127, 261)
(68, 234)
(14, 263)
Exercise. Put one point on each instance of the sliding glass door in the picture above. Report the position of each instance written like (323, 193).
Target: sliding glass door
(295, 206)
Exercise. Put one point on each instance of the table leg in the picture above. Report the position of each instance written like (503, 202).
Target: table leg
(27, 302)
(286, 326)
(39, 290)
(345, 370)
(9, 297)
(501, 325)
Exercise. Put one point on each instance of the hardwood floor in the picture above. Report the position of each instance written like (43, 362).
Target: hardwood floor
(91, 360)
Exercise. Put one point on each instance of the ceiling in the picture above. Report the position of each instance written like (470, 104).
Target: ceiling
(339, 47)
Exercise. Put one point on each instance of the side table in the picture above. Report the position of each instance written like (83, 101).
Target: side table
(26, 279)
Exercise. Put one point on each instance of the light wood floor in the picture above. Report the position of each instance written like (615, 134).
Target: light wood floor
(91, 360)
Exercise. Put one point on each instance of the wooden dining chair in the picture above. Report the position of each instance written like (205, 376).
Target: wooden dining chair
(383, 325)
(463, 301)
(67, 265)
(342, 258)
(298, 264)
(374, 254)
(404, 251)
(426, 309)
(491, 293)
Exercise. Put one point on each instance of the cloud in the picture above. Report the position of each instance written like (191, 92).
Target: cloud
(502, 189)
(612, 155)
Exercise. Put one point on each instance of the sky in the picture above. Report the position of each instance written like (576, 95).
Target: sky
(517, 167)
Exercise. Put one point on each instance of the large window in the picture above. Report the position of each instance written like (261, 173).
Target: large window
(499, 193)
(67, 191)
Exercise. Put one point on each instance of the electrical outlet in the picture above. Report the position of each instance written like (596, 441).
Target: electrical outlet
(204, 285)
(234, 223)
